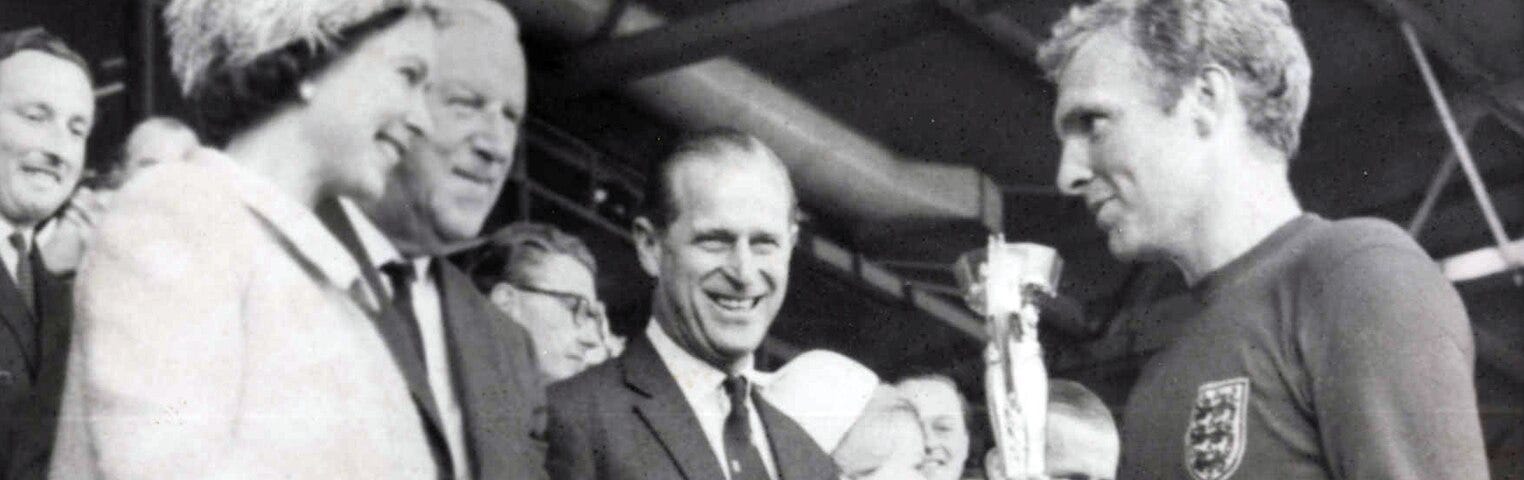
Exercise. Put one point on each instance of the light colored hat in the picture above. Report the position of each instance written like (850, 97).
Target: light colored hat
(236, 32)
(824, 392)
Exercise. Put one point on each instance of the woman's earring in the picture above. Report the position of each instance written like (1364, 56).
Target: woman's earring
(306, 91)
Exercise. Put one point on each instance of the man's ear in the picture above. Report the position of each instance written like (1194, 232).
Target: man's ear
(648, 246)
(1210, 99)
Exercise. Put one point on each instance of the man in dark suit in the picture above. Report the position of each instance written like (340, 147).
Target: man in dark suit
(472, 372)
(717, 233)
(47, 108)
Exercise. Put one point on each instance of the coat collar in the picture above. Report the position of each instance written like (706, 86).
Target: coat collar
(666, 411)
(302, 231)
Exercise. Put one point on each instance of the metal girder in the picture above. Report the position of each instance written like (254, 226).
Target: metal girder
(999, 29)
(730, 29)
(1457, 53)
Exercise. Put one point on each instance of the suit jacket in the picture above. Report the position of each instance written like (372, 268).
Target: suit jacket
(222, 332)
(628, 419)
(492, 362)
(32, 361)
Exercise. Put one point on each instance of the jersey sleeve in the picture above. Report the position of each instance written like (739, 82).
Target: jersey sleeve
(1389, 350)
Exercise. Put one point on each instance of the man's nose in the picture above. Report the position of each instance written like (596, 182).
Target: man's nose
(589, 335)
(494, 142)
(741, 266)
(1074, 171)
(419, 122)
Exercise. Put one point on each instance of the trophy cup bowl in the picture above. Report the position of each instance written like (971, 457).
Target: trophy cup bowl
(1027, 265)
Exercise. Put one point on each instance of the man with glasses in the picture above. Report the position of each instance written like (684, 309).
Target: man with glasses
(545, 282)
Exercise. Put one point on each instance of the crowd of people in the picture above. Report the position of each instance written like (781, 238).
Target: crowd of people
(267, 295)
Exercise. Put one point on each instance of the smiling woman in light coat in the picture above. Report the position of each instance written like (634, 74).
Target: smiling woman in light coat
(220, 329)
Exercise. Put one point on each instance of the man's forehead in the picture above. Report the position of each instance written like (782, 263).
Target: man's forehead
(480, 54)
(1106, 67)
(707, 178)
(35, 72)
(558, 271)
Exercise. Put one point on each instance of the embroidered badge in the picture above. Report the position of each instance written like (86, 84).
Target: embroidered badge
(1214, 441)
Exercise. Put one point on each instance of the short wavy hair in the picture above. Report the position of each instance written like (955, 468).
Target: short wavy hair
(659, 204)
(1254, 40)
(39, 39)
(512, 252)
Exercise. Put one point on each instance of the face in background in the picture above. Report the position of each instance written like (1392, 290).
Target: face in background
(885, 443)
(152, 143)
(365, 109)
(1137, 166)
(47, 109)
(940, 408)
(444, 189)
(564, 338)
(1077, 450)
(722, 263)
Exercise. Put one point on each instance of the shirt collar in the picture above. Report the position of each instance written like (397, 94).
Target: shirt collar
(306, 235)
(376, 245)
(374, 242)
(695, 377)
(7, 228)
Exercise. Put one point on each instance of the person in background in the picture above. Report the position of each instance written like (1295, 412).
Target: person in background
(222, 331)
(944, 416)
(546, 283)
(1082, 442)
(885, 443)
(870, 429)
(154, 141)
(717, 232)
(1315, 349)
(47, 109)
(471, 372)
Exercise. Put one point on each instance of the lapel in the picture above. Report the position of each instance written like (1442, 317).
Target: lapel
(18, 320)
(389, 323)
(475, 360)
(666, 411)
(55, 311)
(797, 455)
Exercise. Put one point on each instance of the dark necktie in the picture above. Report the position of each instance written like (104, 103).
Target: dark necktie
(743, 461)
(24, 281)
(401, 275)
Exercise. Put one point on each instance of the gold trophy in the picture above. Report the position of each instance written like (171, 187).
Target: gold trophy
(1005, 283)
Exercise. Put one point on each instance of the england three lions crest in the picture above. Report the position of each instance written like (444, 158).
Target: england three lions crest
(1214, 441)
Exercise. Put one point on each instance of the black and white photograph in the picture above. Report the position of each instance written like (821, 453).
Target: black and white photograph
(762, 239)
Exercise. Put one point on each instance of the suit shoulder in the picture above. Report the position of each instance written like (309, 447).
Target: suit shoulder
(508, 331)
(588, 384)
(176, 187)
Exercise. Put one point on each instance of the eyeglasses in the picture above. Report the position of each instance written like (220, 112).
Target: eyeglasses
(586, 312)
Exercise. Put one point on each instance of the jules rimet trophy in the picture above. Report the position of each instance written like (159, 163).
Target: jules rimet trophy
(1006, 283)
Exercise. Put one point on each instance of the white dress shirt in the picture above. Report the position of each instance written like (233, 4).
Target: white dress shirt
(428, 308)
(703, 386)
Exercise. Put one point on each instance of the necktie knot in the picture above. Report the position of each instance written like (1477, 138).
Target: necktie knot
(399, 272)
(19, 241)
(735, 388)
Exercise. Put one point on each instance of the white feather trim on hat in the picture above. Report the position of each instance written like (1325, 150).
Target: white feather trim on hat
(824, 392)
(236, 32)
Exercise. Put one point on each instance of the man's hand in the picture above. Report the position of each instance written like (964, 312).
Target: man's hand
(70, 233)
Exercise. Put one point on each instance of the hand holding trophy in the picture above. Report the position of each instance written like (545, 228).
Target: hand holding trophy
(1005, 283)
